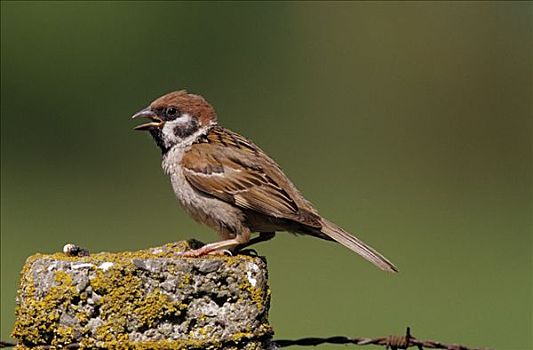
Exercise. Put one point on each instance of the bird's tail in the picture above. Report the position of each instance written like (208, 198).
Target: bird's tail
(353, 243)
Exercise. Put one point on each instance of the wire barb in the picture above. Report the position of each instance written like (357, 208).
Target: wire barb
(392, 342)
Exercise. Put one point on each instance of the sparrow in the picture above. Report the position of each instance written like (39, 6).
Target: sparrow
(225, 181)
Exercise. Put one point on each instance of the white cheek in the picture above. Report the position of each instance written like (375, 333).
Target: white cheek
(169, 136)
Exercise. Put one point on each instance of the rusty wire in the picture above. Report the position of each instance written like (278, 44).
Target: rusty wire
(391, 342)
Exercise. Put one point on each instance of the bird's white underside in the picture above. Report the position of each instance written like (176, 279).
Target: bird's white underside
(222, 217)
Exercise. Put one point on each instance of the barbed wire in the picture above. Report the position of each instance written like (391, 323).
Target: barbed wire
(391, 342)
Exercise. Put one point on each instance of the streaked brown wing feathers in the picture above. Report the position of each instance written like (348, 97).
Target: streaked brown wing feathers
(230, 168)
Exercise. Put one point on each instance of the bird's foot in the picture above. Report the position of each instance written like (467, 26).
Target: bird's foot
(216, 248)
(195, 253)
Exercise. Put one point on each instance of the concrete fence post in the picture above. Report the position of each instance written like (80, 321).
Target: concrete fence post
(151, 299)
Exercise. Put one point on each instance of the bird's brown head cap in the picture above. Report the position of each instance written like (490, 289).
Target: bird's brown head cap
(185, 103)
(176, 117)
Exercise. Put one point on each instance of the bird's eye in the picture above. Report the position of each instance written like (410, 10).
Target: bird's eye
(172, 111)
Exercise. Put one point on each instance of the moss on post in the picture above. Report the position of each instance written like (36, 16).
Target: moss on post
(151, 299)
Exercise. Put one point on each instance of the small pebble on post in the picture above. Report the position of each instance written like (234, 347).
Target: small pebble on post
(151, 299)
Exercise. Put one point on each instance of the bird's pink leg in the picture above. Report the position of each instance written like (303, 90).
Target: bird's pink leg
(219, 247)
(212, 248)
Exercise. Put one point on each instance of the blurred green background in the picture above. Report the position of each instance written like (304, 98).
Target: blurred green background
(406, 123)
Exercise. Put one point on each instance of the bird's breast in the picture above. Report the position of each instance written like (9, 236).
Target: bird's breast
(219, 215)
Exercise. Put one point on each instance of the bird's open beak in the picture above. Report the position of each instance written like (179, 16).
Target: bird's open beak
(155, 122)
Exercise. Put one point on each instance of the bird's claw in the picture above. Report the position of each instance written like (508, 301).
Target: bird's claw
(195, 253)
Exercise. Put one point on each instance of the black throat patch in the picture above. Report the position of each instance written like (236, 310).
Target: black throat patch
(158, 138)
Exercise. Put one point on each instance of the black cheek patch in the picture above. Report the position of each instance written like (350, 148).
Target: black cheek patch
(186, 130)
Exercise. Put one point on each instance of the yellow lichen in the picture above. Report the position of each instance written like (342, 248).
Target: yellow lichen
(186, 280)
(37, 318)
(124, 302)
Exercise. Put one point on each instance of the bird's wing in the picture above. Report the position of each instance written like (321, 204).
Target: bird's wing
(231, 168)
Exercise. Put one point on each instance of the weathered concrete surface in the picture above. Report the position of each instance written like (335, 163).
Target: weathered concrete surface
(147, 299)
